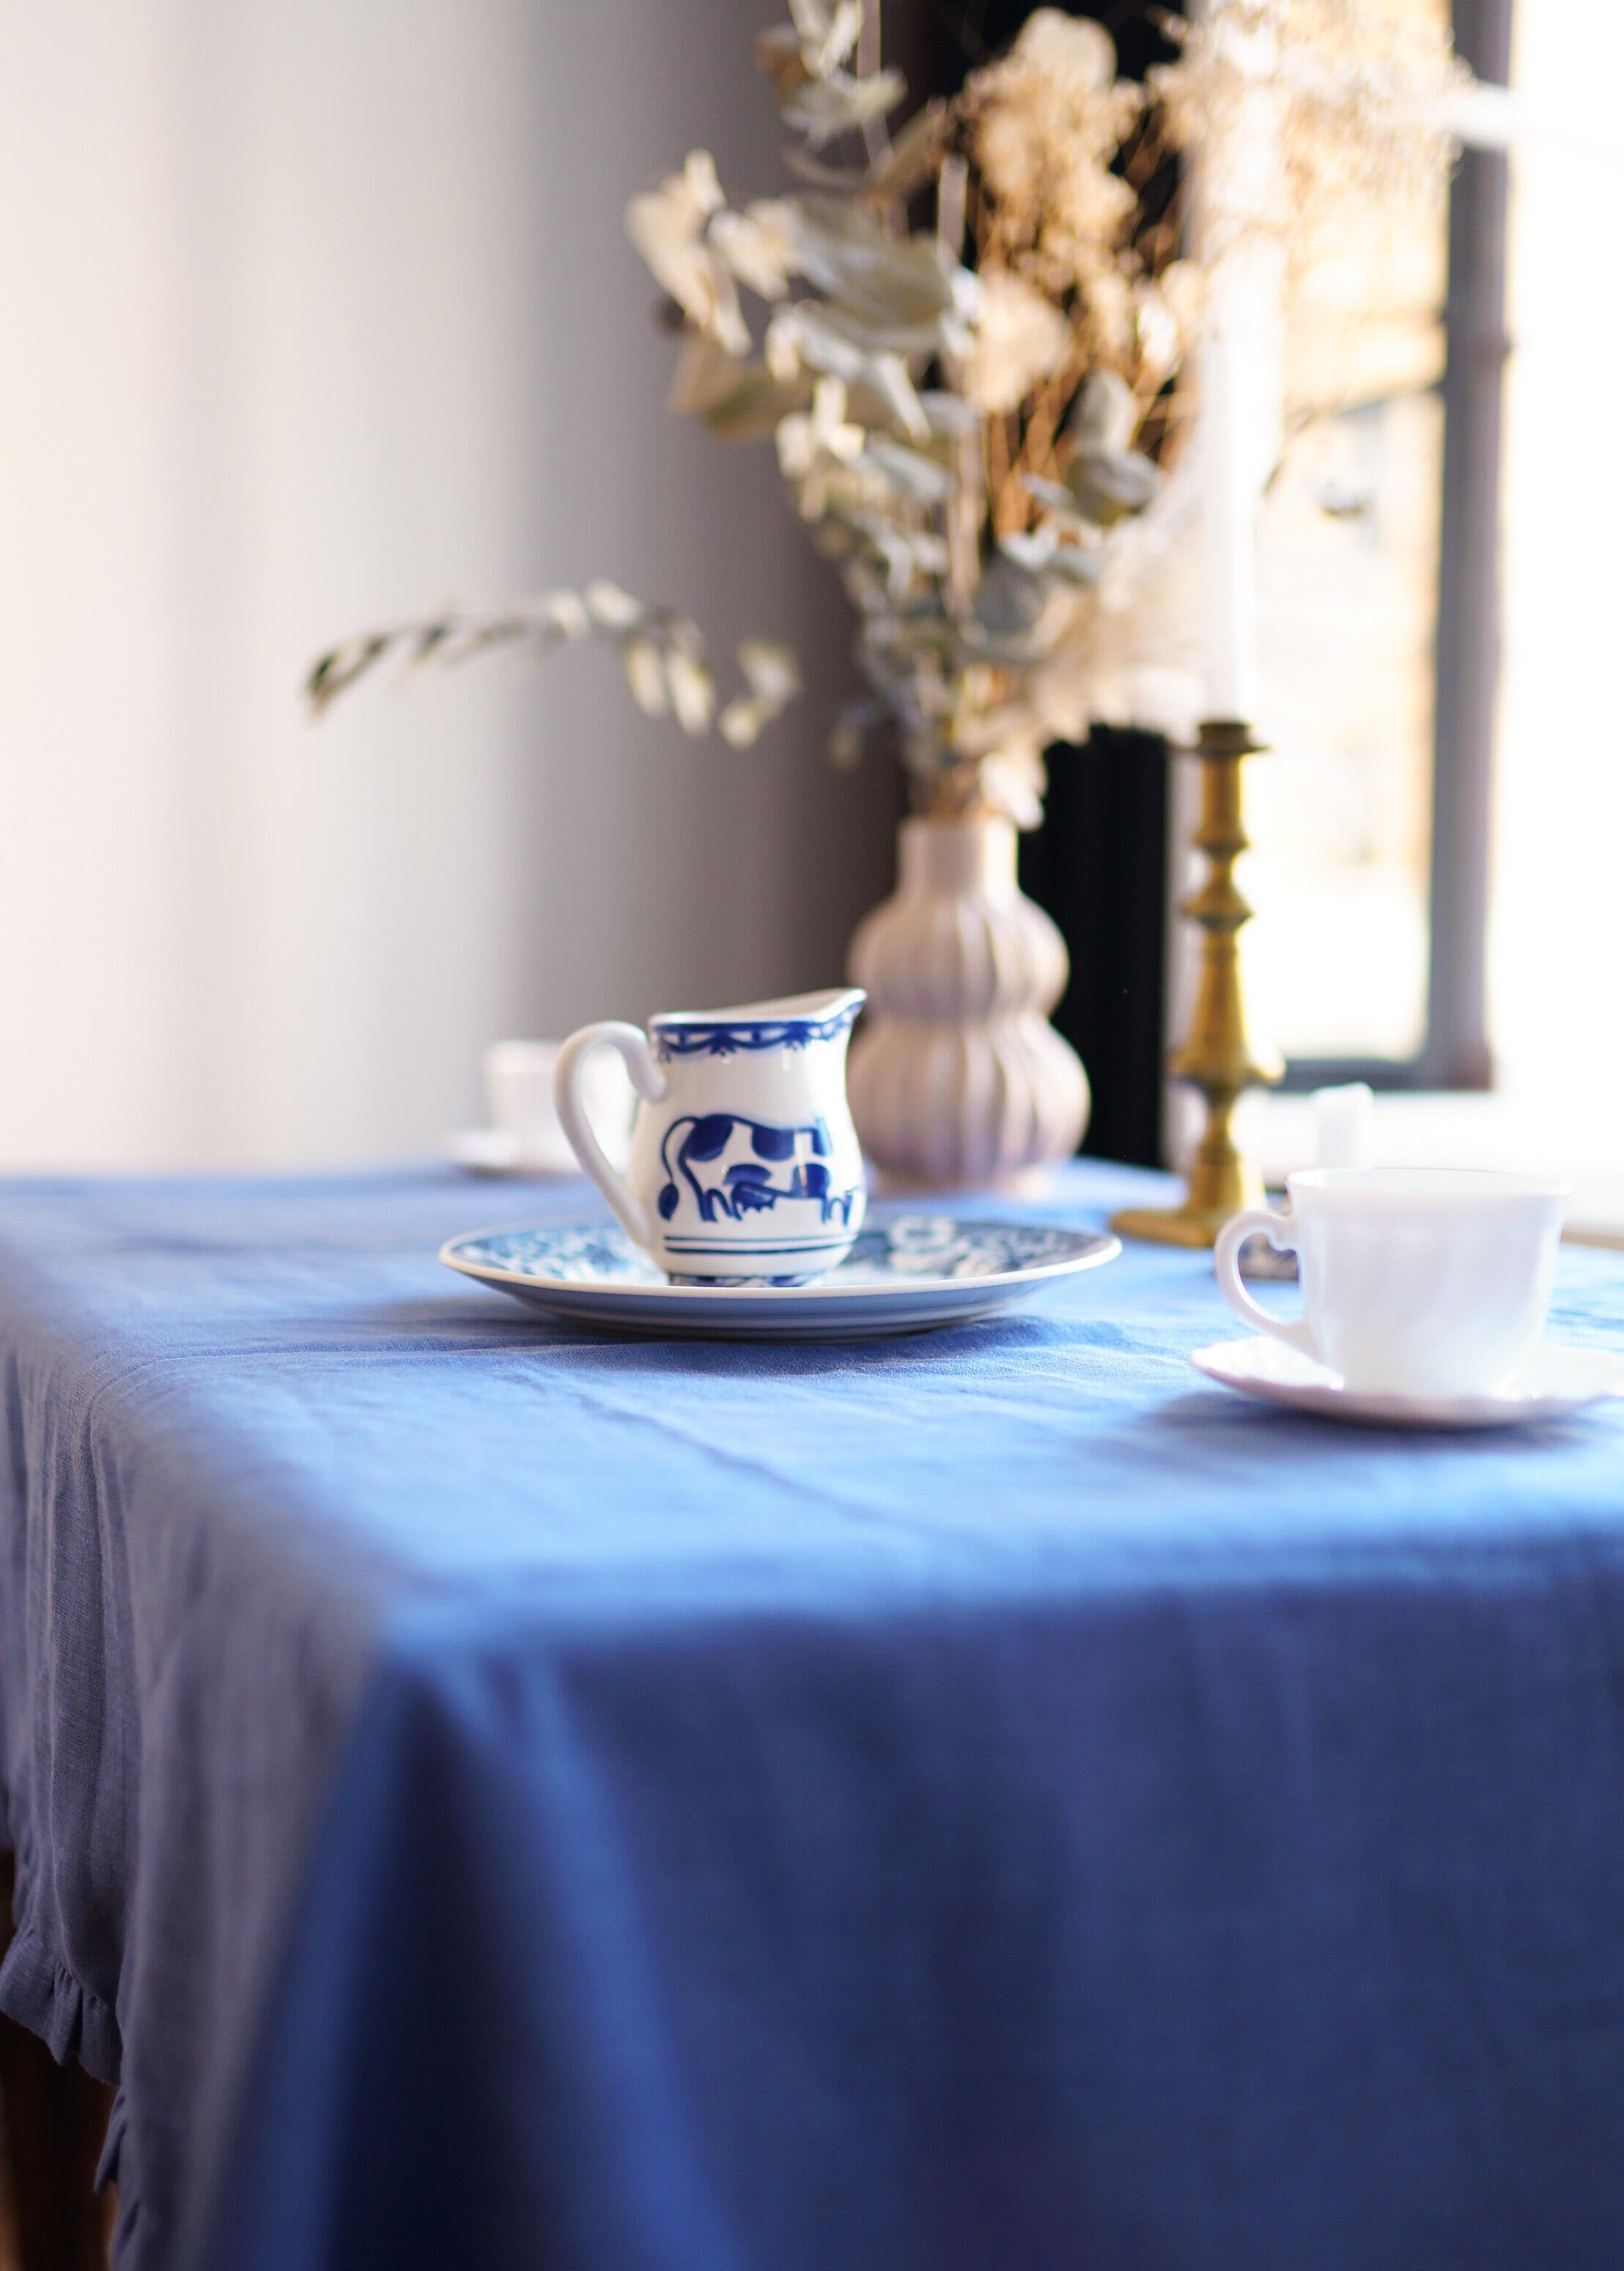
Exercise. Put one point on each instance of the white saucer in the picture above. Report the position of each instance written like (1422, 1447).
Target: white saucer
(1555, 1382)
(495, 1151)
(906, 1274)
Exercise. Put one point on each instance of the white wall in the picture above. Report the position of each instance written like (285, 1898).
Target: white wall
(314, 311)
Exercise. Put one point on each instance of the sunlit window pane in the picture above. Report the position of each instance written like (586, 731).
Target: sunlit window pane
(1348, 585)
(1349, 567)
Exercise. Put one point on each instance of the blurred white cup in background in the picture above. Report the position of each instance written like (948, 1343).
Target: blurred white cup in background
(518, 1086)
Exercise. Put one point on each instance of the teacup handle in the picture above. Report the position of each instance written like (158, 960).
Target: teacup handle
(650, 1081)
(1257, 1222)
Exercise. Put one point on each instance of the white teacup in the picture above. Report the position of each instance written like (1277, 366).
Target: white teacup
(745, 1162)
(1416, 1281)
(518, 1088)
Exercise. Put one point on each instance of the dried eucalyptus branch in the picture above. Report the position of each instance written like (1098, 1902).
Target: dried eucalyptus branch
(661, 653)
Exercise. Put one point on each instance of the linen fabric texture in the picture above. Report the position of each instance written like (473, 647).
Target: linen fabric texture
(491, 1792)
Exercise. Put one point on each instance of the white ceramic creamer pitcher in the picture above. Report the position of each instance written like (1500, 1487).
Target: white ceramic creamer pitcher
(743, 1161)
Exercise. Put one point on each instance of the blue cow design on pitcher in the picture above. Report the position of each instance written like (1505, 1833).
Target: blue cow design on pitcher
(736, 1167)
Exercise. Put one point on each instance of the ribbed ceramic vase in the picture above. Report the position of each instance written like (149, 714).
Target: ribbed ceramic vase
(957, 1077)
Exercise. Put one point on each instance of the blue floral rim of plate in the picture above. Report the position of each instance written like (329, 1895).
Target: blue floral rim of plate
(906, 1250)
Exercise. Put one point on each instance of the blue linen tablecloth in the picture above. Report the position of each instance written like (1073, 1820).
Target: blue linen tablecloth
(497, 1795)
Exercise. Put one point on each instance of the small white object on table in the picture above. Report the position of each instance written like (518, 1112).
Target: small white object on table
(524, 1138)
(1344, 1125)
(1343, 1121)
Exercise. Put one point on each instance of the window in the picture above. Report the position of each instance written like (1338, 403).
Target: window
(1379, 592)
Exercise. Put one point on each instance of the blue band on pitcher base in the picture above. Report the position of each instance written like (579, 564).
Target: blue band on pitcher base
(755, 1245)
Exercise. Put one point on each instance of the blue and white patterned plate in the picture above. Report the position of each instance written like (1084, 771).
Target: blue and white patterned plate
(905, 1274)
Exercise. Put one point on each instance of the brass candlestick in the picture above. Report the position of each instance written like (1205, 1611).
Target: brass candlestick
(1217, 1056)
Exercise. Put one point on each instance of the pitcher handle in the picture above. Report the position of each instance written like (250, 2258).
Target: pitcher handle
(1257, 1222)
(651, 1085)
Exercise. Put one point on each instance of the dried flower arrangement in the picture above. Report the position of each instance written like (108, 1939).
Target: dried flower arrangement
(976, 416)
(964, 441)
(965, 413)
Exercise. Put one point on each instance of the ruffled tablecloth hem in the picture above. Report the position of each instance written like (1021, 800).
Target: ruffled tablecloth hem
(40, 1994)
